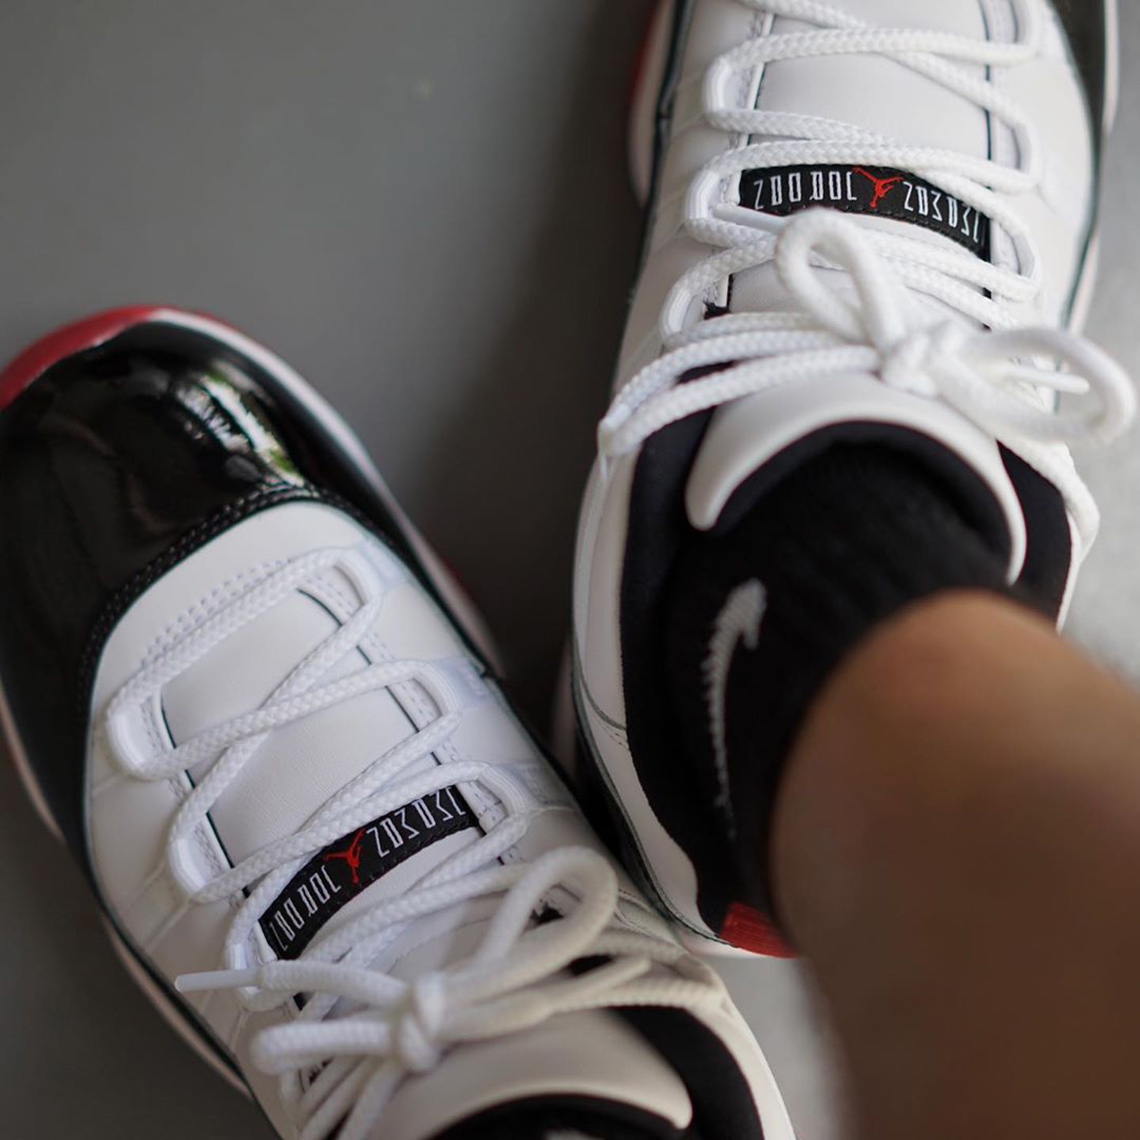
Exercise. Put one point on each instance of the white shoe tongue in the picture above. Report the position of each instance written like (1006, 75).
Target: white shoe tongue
(377, 861)
(301, 765)
(798, 420)
(878, 94)
(881, 95)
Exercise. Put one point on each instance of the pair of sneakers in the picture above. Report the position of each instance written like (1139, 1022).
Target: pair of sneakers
(266, 721)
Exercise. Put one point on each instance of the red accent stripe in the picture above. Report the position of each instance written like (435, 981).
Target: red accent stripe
(66, 341)
(660, 12)
(641, 61)
(747, 929)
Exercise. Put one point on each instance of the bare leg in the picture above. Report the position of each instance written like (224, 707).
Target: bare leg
(957, 852)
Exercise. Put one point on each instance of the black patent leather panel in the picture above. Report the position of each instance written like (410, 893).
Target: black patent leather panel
(114, 465)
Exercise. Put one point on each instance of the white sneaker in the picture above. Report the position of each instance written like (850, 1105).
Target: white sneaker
(870, 220)
(246, 694)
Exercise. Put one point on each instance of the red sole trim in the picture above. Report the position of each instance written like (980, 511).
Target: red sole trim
(641, 61)
(747, 929)
(35, 360)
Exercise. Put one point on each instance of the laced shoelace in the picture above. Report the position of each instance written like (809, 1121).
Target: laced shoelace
(517, 977)
(975, 358)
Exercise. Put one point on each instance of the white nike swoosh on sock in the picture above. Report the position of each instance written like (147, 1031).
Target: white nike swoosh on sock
(738, 621)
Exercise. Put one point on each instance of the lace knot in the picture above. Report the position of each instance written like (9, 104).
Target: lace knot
(910, 364)
(418, 1027)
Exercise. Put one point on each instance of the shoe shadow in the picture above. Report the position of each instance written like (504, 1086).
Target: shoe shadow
(504, 478)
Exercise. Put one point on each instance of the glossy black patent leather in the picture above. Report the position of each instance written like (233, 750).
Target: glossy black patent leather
(114, 465)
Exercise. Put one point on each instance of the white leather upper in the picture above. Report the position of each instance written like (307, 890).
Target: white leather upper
(883, 95)
(872, 92)
(593, 1054)
(295, 771)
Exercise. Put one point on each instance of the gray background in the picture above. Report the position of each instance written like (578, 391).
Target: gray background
(423, 206)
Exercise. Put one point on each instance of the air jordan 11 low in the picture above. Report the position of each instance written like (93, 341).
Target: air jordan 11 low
(245, 694)
(870, 222)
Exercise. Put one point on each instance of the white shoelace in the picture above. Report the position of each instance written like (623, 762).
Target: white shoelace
(897, 327)
(517, 977)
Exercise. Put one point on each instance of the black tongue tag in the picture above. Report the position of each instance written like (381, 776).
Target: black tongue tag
(872, 191)
(342, 870)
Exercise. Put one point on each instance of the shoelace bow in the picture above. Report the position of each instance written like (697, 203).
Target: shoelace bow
(896, 326)
(517, 977)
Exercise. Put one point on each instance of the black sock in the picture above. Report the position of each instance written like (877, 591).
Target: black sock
(546, 1119)
(833, 550)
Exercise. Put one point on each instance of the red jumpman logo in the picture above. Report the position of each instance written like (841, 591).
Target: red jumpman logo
(883, 186)
(351, 855)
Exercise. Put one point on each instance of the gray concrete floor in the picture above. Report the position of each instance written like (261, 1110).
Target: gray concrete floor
(423, 206)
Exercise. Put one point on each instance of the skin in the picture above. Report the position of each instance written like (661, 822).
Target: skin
(957, 855)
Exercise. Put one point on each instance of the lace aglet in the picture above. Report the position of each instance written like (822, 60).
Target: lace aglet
(215, 980)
